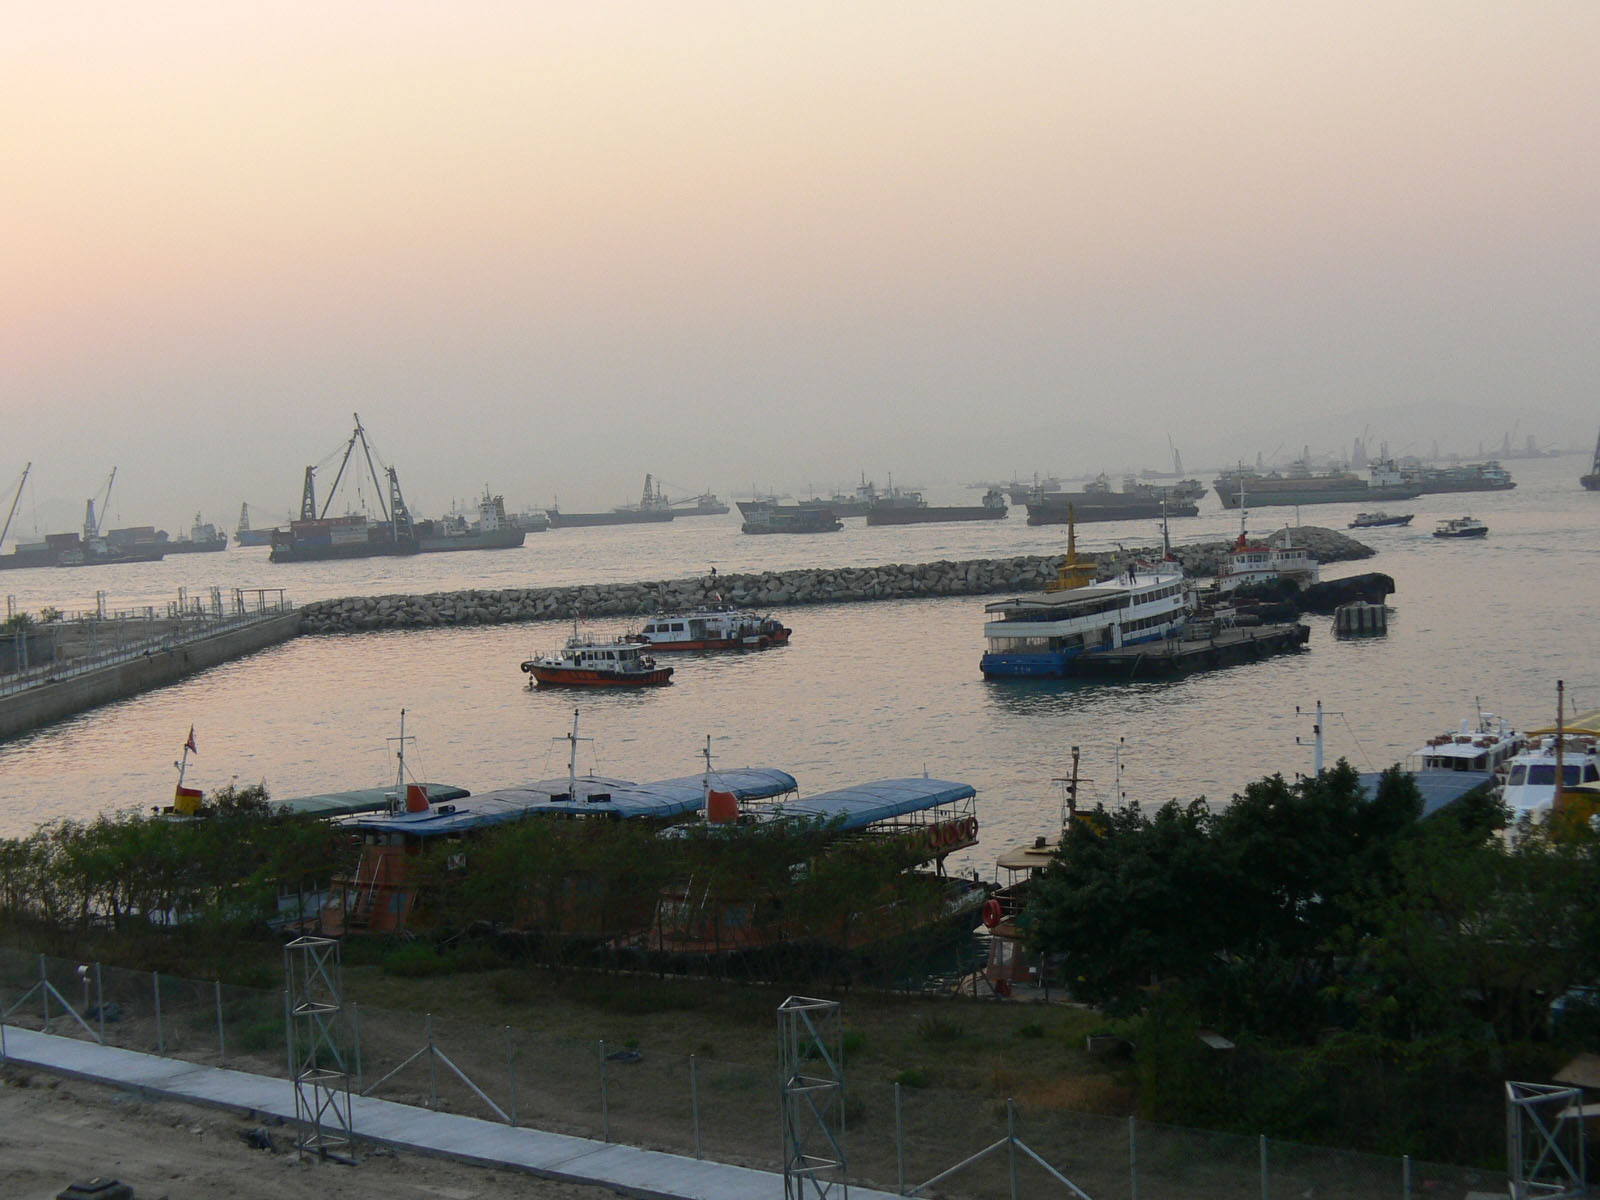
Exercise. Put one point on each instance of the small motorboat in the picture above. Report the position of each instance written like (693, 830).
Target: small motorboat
(712, 629)
(586, 661)
(1374, 519)
(1461, 527)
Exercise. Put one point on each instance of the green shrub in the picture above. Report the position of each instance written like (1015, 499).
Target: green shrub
(940, 1029)
(914, 1077)
(1031, 1029)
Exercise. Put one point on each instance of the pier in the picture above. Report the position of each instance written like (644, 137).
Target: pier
(66, 667)
(1213, 647)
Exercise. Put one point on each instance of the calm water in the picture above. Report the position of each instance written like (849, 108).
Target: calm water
(864, 691)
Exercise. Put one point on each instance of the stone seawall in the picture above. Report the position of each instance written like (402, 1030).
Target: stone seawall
(786, 589)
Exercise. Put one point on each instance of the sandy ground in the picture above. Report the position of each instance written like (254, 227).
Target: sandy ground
(55, 1131)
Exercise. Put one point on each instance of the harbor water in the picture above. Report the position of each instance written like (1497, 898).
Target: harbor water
(864, 691)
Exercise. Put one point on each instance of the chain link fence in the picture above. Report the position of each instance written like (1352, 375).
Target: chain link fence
(898, 1138)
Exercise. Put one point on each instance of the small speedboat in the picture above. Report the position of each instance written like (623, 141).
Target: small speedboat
(1374, 519)
(590, 662)
(1461, 527)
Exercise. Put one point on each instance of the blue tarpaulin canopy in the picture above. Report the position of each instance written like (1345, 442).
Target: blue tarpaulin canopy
(865, 803)
(589, 795)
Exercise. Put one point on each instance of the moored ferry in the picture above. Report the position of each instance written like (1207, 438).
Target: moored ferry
(712, 629)
(1041, 635)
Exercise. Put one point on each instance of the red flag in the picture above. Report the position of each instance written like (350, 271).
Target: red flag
(189, 745)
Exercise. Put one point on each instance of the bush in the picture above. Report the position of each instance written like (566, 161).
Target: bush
(940, 1029)
(914, 1077)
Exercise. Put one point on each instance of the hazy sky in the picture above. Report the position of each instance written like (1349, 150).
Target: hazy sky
(550, 247)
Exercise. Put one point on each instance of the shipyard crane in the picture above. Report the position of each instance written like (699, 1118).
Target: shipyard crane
(91, 523)
(6, 528)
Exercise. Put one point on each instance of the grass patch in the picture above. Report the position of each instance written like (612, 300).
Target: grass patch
(914, 1077)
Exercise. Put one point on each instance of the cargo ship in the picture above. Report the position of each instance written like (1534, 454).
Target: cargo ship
(246, 536)
(1464, 477)
(316, 537)
(768, 516)
(1303, 486)
(898, 507)
(652, 507)
(204, 538)
(1097, 502)
(493, 530)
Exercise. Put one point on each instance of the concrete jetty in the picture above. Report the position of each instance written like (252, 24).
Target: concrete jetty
(69, 685)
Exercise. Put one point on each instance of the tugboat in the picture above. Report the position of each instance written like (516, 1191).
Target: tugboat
(1461, 527)
(712, 629)
(587, 661)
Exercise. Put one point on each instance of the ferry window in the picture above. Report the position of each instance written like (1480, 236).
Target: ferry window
(1570, 773)
(1591, 773)
(677, 627)
(1519, 776)
(1542, 773)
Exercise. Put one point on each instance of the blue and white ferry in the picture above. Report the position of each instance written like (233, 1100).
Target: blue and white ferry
(1040, 635)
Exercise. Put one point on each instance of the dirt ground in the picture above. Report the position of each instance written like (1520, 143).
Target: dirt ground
(56, 1131)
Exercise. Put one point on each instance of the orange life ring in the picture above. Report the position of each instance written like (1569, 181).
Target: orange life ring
(969, 829)
(993, 914)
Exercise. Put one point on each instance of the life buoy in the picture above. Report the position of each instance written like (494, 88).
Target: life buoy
(993, 914)
(969, 829)
(1002, 988)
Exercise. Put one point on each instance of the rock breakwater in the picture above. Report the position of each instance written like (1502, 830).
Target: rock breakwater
(772, 589)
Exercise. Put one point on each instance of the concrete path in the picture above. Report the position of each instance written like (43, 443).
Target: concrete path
(636, 1172)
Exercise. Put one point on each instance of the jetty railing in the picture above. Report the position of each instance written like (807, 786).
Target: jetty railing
(90, 641)
(897, 1137)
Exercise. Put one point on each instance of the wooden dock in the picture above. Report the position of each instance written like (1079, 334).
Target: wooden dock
(1222, 647)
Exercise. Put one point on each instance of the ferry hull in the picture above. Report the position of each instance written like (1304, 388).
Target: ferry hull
(300, 552)
(1059, 664)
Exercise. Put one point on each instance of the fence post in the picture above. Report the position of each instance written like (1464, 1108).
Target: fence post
(1133, 1158)
(1405, 1177)
(433, 1068)
(605, 1108)
(1011, 1144)
(355, 1027)
(161, 1040)
(222, 1038)
(288, 1034)
(100, 1003)
(694, 1103)
(511, 1073)
(899, 1146)
(1266, 1192)
(44, 993)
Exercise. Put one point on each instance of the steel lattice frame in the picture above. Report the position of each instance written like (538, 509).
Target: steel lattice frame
(812, 1087)
(1545, 1141)
(314, 1003)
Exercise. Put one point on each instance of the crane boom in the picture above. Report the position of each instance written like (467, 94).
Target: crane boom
(91, 523)
(5, 529)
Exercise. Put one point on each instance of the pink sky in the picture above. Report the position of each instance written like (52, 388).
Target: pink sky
(491, 228)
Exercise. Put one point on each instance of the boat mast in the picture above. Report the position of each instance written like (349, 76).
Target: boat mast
(14, 501)
(705, 782)
(1069, 794)
(399, 801)
(1561, 743)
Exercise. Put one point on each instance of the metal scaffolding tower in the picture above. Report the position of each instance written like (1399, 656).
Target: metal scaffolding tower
(812, 1087)
(313, 1000)
(1545, 1141)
